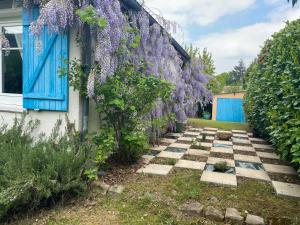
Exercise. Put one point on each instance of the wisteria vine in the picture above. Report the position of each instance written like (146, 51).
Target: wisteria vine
(155, 49)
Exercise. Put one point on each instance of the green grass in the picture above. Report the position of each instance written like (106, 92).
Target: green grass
(154, 200)
(220, 125)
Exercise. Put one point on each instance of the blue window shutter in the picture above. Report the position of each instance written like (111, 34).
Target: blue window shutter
(43, 86)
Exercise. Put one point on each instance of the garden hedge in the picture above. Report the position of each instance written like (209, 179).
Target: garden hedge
(272, 100)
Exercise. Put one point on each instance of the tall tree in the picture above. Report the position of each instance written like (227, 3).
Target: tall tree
(208, 62)
(238, 73)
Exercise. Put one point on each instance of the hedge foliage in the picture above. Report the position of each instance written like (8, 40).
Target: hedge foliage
(272, 101)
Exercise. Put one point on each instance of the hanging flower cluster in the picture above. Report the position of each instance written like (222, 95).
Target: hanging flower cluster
(154, 49)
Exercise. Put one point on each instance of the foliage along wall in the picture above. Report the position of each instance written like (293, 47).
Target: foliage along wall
(114, 31)
(272, 99)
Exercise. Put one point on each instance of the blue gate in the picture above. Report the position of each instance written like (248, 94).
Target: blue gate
(230, 110)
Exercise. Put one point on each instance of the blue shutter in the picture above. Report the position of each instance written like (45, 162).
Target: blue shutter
(43, 86)
(230, 110)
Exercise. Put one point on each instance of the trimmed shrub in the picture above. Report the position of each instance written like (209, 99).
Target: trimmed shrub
(272, 101)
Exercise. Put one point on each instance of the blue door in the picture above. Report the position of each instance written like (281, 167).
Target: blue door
(230, 110)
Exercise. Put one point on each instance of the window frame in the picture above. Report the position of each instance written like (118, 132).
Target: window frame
(10, 102)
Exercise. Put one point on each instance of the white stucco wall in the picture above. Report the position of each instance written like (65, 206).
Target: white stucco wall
(49, 118)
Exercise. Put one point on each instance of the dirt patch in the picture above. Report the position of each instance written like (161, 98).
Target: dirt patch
(274, 161)
(221, 155)
(294, 179)
(164, 161)
(195, 158)
(244, 153)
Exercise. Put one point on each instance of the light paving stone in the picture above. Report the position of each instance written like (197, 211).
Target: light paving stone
(189, 133)
(116, 189)
(243, 148)
(271, 168)
(180, 145)
(250, 134)
(210, 129)
(168, 140)
(147, 158)
(262, 147)
(219, 178)
(170, 155)
(186, 139)
(237, 135)
(222, 142)
(222, 150)
(214, 214)
(206, 146)
(197, 152)
(254, 174)
(159, 148)
(195, 129)
(287, 189)
(214, 160)
(156, 169)
(257, 140)
(239, 131)
(239, 141)
(254, 220)
(190, 164)
(174, 135)
(247, 158)
(209, 139)
(267, 155)
(209, 133)
(233, 216)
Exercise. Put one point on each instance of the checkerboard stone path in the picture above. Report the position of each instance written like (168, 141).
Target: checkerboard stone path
(198, 149)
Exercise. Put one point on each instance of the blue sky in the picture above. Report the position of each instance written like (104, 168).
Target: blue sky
(230, 29)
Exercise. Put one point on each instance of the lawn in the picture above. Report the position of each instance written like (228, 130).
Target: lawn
(154, 200)
(220, 125)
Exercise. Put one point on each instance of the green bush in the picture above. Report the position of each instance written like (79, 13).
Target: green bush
(272, 101)
(34, 172)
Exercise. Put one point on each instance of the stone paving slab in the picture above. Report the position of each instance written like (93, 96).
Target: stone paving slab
(222, 150)
(190, 133)
(190, 164)
(159, 148)
(267, 155)
(262, 147)
(156, 169)
(243, 148)
(239, 131)
(195, 129)
(210, 129)
(222, 142)
(287, 189)
(239, 141)
(237, 135)
(214, 160)
(247, 158)
(170, 155)
(174, 135)
(179, 145)
(209, 139)
(257, 141)
(185, 139)
(279, 169)
(219, 178)
(168, 140)
(250, 134)
(254, 174)
(147, 158)
(197, 152)
(206, 146)
(211, 133)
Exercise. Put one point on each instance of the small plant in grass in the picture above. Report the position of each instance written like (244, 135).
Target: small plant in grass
(221, 167)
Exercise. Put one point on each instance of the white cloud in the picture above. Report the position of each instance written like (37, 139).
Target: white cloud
(197, 12)
(244, 43)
